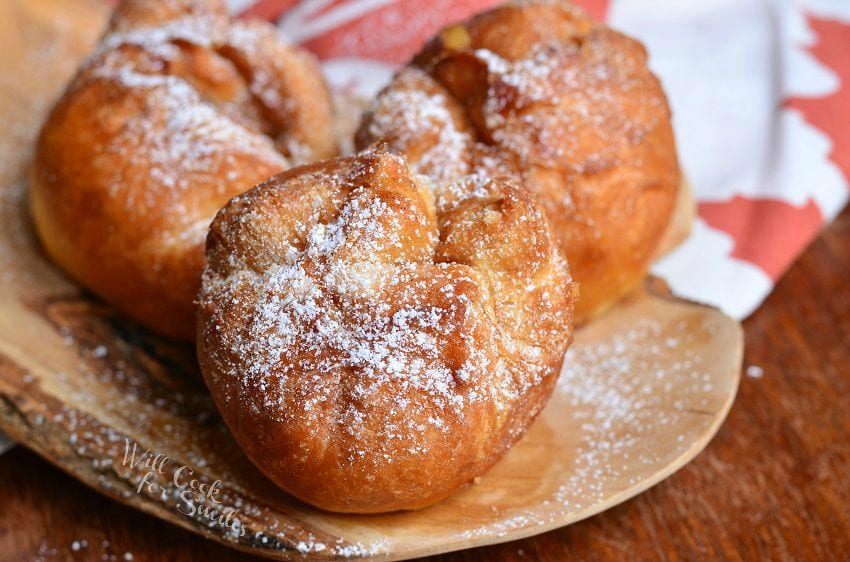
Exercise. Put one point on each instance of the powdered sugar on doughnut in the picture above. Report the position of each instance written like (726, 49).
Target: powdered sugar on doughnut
(179, 137)
(373, 333)
(161, 40)
(329, 310)
(563, 106)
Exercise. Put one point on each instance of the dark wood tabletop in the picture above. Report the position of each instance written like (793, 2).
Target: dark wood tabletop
(773, 485)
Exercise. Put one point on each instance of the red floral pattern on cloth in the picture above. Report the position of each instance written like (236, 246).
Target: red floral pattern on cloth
(770, 233)
(831, 113)
(767, 232)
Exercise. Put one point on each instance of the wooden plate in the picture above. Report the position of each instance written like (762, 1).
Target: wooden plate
(642, 392)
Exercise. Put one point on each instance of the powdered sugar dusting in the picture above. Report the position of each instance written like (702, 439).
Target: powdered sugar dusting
(162, 40)
(616, 409)
(384, 332)
(416, 114)
(176, 132)
(535, 109)
(329, 310)
(538, 93)
(179, 138)
(632, 404)
(198, 109)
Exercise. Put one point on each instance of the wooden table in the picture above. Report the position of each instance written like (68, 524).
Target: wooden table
(774, 484)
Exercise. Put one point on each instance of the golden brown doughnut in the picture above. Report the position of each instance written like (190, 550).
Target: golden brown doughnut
(536, 91)
(177, 110)
(372, 351)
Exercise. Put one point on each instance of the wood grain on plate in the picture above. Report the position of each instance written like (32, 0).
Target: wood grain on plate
(643, 389)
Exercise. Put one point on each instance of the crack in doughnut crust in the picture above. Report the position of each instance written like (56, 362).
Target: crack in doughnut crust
(177, 110)
(537, 92)
(371, 349)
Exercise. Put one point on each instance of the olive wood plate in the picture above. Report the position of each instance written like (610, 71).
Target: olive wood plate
(643, 389)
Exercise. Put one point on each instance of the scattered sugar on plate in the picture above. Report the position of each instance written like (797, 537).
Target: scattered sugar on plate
(755, 372)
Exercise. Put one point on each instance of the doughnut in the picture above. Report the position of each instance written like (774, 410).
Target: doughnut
(177, 110)
(373, 348)
(537, 92)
